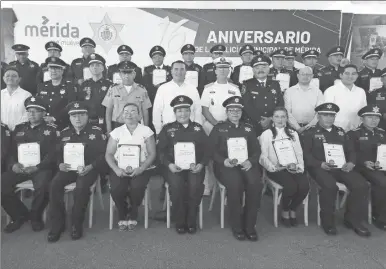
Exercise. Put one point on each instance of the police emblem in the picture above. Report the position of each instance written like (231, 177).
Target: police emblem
(338, 49)
(53, 59)
(62, 91)
(33, 99)
(46, 132)
(237, 100)
(197, 128)
(181, 99)
(329, 106)
(247, 129)
(123, 47)
(273, 91)
(376, 51)
(104, 88)
(188, 46)
(91, 137)
(259, 59)
(32, 65)
(340, 133)
(312, 52)
(92, 56)
(51, 44)
(76, 105)
(375, 109)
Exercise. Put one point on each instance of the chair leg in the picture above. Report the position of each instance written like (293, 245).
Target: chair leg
(111, 217)
(344, 198)
(98, 190)
(215, 188)
(146, 208)
(149, 199)
(275, 206)
(91, 209)
(306, 200)
(370, 210)
(201, 217)
(222, 209)
(167, 208)
(318, 207)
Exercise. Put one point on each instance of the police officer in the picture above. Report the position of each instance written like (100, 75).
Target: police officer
(126, 92)
(3, 68)
(366, 140)
(92, 91)
(326, 173)
(331, 72)
(278, 57)
(5, 146)
(79, 67)
(289, 64)
(208, 75)
(238, 176)
(44, 136)
(378, 97)
(370, 70)
(260, 95)
(28, 69)
(185, 183)
(54, 50)
(57, 93)
(246, 53)
(125, 53)
(310, 58)
(94, 141)
(193, 70)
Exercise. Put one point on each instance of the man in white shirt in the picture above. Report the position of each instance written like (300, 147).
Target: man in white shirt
(348, 97)
(301, 99)
(213, 96)
(13, 111)
(162, 111)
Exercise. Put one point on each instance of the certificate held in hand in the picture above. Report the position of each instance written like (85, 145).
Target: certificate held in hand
(159, 76)
(73, 154)
(334, 154)
(28, 154)
(246, 72)
(285, 152)
(381, 157)
(237, 149)
(184, 155)
(129, 156)
(375, 83)
(284, 81)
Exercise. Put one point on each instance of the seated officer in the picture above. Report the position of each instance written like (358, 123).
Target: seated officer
(326, 174)
(93, 139)
(378, 97)
(5, 146)
(238, 176)
(366, 140)
(186, 183)
(36, 131)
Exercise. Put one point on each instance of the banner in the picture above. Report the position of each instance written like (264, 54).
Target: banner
(369, 31)
(142, 29)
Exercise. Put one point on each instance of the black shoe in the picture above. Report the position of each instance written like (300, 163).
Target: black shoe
(380, 224)
(76, 233)
(181, 230)
(14, 225)
(54, 236)
(330, 230)
(239, 235)
(192, 229)
(358, 229)
(294, 222)
(252, 236)
(286, 222)
(37, 226)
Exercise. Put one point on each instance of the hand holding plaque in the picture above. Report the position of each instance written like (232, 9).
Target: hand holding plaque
(159, 76)
(128, 157)
(285, 152)
(381, 157)
(185, 155)
(334, 155)
(28, 154)
(237, 150)
(73, 155)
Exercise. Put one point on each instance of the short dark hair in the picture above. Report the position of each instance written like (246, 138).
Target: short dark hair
(132, 104)
(178, 62)
(348, 66)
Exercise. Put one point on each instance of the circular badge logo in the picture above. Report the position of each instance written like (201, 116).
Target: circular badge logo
(107, 33)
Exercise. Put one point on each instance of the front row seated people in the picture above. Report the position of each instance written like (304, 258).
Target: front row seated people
(182, 148)
(129, 180)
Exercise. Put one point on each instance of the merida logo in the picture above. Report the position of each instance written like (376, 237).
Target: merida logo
(49, 30)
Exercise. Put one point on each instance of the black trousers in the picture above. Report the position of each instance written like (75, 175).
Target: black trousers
(186, 190)
(57, 211)
(236, 182)
(356, 207)
(11, 202)
(128, 187)
(295, 188)
(378, 192)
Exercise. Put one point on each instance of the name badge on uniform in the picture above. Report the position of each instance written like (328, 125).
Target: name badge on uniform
(100, 120)
(44, 93)
(62, 91)
(19, 133)
(363, 138)
(379, 98)
(65, 138)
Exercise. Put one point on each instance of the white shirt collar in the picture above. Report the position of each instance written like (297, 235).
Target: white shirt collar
(161, 66)
(183, 83)
(262, 81)
(18, 89)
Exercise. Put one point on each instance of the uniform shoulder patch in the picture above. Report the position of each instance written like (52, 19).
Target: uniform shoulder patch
(208, 85)
(65, 129)
(140, 85)
(380, 129)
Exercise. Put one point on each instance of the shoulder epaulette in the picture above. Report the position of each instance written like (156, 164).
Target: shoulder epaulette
(140, 85)
(65, 129)
(234, 85)
(248, 124)
(380, 129)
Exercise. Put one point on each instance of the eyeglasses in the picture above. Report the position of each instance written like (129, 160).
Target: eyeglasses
(235, 110)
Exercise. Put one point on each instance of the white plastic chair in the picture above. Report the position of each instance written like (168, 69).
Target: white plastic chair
(168, 203)
(276, 197)
(96, 187)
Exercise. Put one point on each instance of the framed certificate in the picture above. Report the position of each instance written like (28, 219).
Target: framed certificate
(375, 83)
(73, 154)
(381, 156)
(192, 78)
(315, 83)
(285, 152)
(129, 156)
(46, 76)
(117, 78)
(184, 155)
(246, 72)
(28, 154)
(284, 81)
(159, 76)
(237, 149)
(86, 73)
(334, 154)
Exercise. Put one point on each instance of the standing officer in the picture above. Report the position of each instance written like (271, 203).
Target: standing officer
(277, 68)
(126, 92)
(326, 174)
(238, 176)
(371, 60)
(186, 185)
(3, 68)
(36, 131)
(378, 97)
(54, 50)
(289, 65)
(56, 93)
(125, 53)
(28, 69)
(208, 75)
(5, 146)
(193, 70)
(152, 80)
(93, 91)
(243, 71)
(94, 141)
(366, 140)
(310, 58)
(331, 72)
(260, 95)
